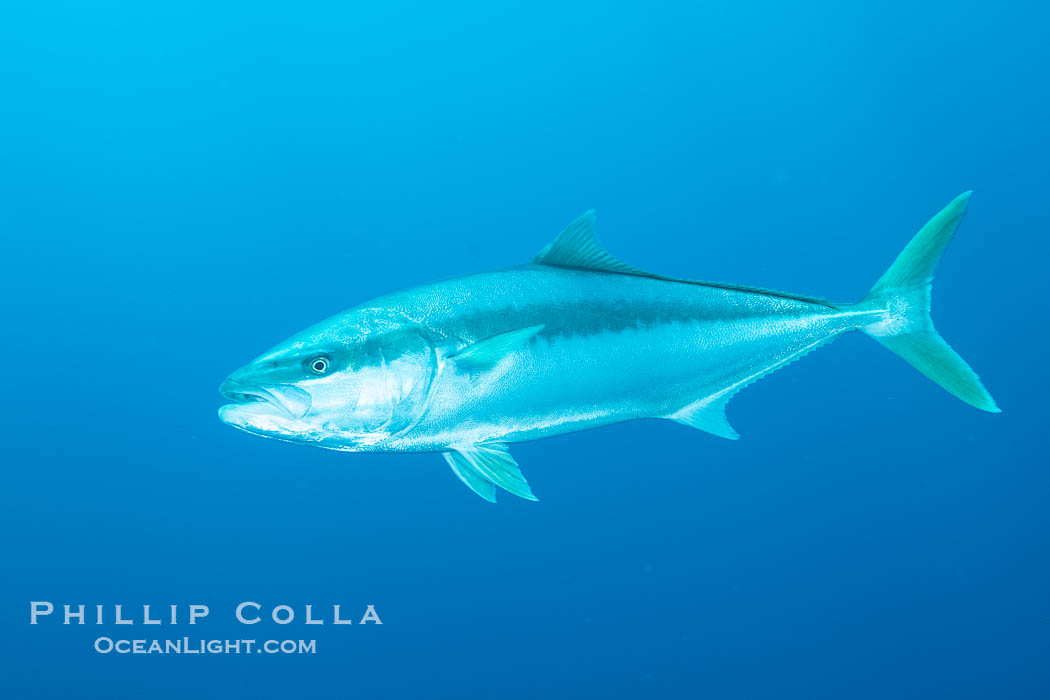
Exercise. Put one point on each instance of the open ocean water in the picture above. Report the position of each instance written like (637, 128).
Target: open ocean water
(184, 184)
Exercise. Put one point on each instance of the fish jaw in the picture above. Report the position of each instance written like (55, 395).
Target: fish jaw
(272, 411)
(291, 401)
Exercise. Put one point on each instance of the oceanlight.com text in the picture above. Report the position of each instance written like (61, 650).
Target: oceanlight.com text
(185, 645)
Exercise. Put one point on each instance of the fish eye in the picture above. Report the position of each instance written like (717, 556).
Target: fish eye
(319, 364)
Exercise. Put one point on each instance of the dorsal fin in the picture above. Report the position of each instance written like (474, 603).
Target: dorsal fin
(578, 246)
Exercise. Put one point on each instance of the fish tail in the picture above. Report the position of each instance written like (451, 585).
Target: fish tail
(899, 304)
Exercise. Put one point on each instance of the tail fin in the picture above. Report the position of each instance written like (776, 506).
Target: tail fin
(905, 327)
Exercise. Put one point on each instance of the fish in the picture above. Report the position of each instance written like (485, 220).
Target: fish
(574, 339)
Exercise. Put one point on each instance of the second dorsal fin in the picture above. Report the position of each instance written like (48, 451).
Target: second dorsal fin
(578, 246)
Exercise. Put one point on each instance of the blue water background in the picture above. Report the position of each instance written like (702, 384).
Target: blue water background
(183, 184)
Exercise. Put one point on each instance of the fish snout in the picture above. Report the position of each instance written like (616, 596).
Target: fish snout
(292, 401)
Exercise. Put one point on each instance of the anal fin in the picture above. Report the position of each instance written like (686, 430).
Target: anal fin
(708, 414)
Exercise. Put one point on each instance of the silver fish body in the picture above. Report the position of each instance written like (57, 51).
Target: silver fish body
(609, 348)
(576, 339)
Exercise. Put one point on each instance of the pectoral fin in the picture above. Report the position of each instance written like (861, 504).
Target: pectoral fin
(487, 353)
(484, 466)
(708, 414)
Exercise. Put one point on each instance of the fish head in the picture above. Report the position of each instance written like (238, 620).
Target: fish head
(352, 382)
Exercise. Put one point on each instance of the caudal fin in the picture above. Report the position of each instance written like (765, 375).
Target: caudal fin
(902, 294)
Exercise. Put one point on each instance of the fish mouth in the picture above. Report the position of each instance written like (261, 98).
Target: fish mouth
(290, 401)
